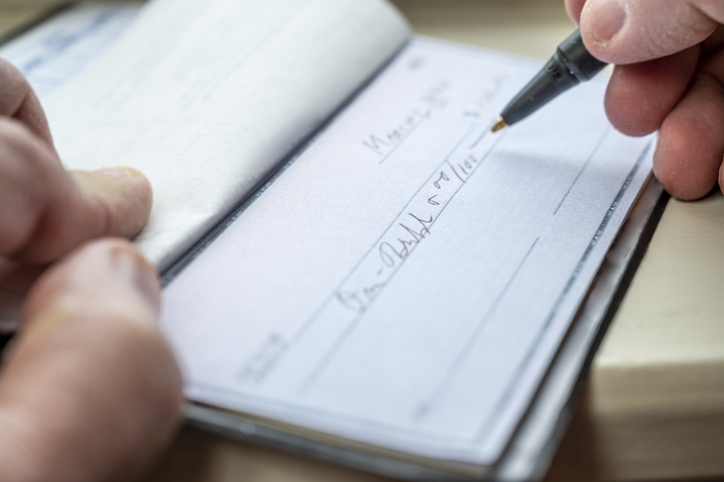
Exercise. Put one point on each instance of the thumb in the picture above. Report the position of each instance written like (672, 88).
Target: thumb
(90, 390)
(45, 211)
(631, 31)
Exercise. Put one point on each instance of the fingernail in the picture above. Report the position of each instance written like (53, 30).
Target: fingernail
(129, 176)
(120, 172)
(605, 18)
(127, 191)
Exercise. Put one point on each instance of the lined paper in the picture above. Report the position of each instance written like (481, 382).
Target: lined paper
(407, 279)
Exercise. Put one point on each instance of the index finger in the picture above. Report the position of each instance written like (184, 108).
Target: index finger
(18, 101)
(574, 8)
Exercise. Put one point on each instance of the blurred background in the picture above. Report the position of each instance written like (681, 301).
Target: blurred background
(500, 24)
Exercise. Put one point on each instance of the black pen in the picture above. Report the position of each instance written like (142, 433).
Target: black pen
(571, 65)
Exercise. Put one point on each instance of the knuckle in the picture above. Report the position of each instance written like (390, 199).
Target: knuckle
(17, 139)
(15, 88)
(21, 193)
(27, 177)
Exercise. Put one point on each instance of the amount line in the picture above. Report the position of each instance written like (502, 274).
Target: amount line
(324, 363)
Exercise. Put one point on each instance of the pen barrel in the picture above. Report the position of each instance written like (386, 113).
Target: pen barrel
(570, 65)
(572, 52)
(553, 80)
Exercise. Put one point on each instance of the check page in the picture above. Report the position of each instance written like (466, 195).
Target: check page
(407, 279)
(58, 50)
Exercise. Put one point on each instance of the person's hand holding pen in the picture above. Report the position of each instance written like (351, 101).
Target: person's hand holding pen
(669, 76)
(89, 388)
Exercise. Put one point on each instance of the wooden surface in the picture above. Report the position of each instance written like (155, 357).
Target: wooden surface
(654, 406)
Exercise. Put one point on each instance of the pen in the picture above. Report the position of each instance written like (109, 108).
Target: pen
(569, 66)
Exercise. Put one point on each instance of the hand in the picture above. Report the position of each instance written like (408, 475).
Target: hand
(669, 76)
(89, 389)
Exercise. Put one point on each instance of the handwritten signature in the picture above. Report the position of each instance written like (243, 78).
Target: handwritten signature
(430, 101)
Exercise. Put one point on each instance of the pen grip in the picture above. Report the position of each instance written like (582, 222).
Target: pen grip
(570, 65)
(577, 59)
(554, 79)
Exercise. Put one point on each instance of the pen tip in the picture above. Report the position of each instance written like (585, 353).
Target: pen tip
(500, 124)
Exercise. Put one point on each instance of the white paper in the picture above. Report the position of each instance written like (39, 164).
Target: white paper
(406, 281)
(206, 98)
(58, 50)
